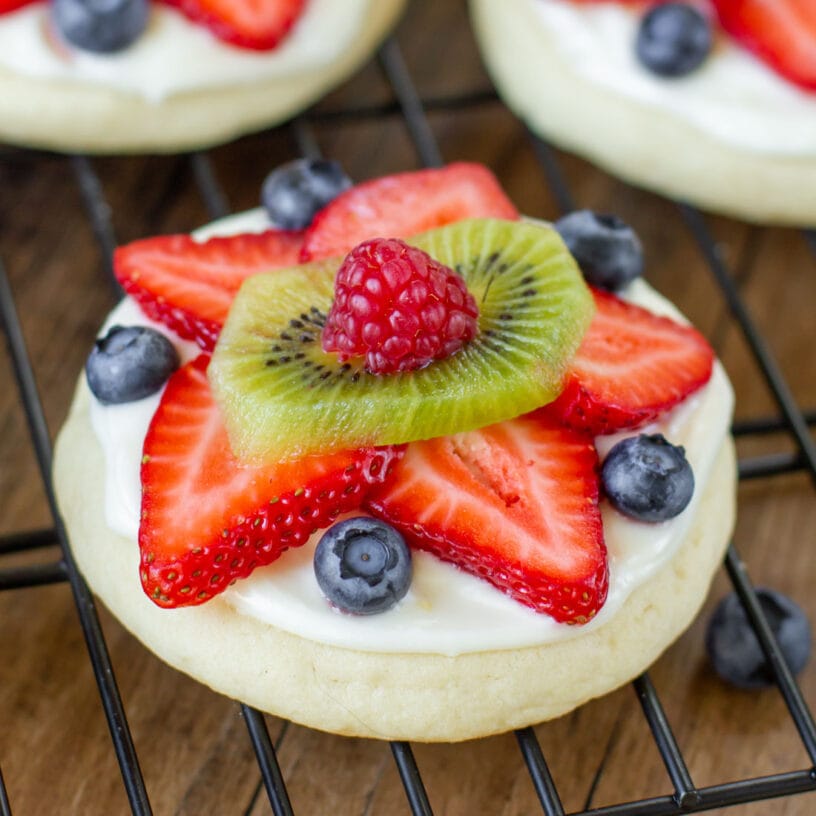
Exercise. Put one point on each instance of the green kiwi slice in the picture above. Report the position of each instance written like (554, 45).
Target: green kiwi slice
(282, 396)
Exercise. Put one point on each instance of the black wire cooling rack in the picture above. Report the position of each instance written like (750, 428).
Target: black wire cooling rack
(685, 796)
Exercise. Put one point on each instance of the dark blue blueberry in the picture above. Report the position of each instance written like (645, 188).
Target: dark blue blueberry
(129, 363)
(101, 26)
(673, 39)
(734, 649)
(294, 192)
(606, 249)
(648, 478)
(363, 566)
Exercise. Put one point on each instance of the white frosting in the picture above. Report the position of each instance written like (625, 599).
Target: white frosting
(733, 96)
(445, 611)
(175, 55)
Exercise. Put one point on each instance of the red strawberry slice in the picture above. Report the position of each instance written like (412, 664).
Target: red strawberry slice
(514, 503)
(256, 24)
(12, 5)
(780, 32)
(630, 367)
(189, 286)
(207, 519)
(404, 204)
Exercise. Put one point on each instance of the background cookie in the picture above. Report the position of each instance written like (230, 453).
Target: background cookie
(85, 112)
(732, 136)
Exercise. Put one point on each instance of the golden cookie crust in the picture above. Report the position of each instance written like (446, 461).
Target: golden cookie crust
(421, 697)
(69, 116)
(644, 146)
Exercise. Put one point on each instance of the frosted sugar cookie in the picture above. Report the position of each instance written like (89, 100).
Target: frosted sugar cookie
(535, 580)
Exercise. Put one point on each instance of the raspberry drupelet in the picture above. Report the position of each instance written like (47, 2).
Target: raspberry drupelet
(398, 307)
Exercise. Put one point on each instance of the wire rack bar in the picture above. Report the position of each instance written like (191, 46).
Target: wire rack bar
(5, 808)
(539, 772)
(99, 214)
(422, 136)
(555, 178)
(799, 710)
(685, 793)
(715, 796)
(91, 629)
(268, 762)
(772, 464)
(767, 425)
(305, 139)
(215, 199)
(356, 113)
(411, 780)
(761, 351)
(28, 540)
(36, 575)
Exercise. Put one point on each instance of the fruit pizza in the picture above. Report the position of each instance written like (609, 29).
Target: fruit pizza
(390, 460)
(709, 101)
(167, 75)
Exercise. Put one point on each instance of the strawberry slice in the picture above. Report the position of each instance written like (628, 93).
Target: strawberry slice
(514, 503)
(780, 32)
(13, 5)
(189, 286)
(256, 24)
(207, 519)
(404, 204)
(630, 367)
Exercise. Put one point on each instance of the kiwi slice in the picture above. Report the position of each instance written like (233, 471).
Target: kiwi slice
(282, 396)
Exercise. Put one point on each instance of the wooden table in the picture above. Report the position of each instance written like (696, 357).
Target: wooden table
(55, 749)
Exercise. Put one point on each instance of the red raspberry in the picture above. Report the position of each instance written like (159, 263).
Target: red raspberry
(399, 307)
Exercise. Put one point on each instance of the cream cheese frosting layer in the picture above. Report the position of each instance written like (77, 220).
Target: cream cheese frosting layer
(446, 611)
(733, 97)
(175, 55)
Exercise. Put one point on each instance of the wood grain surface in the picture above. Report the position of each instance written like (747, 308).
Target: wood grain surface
(55, 749)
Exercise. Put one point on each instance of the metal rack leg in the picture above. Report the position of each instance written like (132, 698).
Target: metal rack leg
(417, 123)
(99, 213)
(268, 762)
(539, 772)
(411, 780)
(684, 791)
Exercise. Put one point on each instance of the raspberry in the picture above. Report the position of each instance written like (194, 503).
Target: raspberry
(399, 307)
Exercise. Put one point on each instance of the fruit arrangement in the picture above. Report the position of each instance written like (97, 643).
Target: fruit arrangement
(457, 412)
(111, 27)
(675, 38)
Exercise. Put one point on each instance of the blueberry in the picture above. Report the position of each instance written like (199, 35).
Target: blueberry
(129, 363)
(734, 649)
(648, 478)
(363, 566)
(101, 26)
(673, 39)
(606, 248)
(294, 192)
